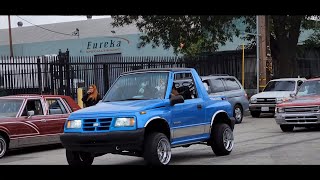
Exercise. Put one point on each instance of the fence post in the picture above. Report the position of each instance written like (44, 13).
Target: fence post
(67, 71)
(52, 78)
(61, 79)
(39, 75)
(105, 77)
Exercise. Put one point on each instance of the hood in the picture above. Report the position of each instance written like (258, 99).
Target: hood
(302, 101)
(107, 108)
(273, 94)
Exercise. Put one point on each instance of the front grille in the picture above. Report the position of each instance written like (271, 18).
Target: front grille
(302, 119)
(266, 100)
(311, 109)
(101, 124)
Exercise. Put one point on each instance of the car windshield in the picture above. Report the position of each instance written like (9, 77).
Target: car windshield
(309, 88)
(9, 107)
(280, 86)
(138, 86)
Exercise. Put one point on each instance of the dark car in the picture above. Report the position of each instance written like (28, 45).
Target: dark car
(31, 120)
(230, 87)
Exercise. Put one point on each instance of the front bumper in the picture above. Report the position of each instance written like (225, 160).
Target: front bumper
(297, 118)
(262, 108)
(107, 142)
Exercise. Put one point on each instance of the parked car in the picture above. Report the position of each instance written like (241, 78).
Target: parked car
(31, 120)
(230, 87)
(138, 116)
(276, 91)
(303, 110)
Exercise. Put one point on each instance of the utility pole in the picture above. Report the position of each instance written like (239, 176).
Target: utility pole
(265, 65)
(10, 37)
(258, 53)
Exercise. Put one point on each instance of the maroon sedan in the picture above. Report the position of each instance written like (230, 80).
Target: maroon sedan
(31, 120)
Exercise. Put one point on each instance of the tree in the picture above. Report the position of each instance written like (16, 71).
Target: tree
(284, 36)
(206, 33)
(198, 33)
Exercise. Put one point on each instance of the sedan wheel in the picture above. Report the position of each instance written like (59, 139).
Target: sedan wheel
(238, 115)
(3, 146)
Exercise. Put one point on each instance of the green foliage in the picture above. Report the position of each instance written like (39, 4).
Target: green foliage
(198, 34)
(203, 34)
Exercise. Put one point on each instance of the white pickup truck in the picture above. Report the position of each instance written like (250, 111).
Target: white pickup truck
(276, 91)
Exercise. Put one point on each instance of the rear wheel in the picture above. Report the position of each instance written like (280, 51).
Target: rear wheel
(238, 113)
(157, 149)
(255, 114)
(3, 146)
(287, 128)
(75, 158)
(222, 140)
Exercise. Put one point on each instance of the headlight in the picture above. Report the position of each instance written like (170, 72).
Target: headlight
(121, 122)
(253, 100)
(74, 124)
(280, 100)
(280, 110)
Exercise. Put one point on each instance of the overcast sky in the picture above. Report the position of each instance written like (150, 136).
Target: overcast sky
(39, 20)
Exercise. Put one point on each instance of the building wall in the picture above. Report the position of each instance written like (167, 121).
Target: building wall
(125, 44)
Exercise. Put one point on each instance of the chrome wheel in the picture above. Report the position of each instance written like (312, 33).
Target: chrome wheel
(228, 139)
(164, 151)
(3, 147)
(238, 114)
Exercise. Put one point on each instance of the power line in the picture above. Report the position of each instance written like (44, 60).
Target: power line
(73, 34)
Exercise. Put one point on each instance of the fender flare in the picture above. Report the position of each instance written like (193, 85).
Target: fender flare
(158, 117)
(215, 114)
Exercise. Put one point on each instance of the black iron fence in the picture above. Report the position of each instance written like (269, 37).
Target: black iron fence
(63, 74)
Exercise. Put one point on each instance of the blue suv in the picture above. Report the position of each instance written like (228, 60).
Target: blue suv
(140, 116)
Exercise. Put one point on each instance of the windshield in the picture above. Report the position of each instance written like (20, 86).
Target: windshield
(10, 107)
(280, 86)
(139, 86)
(309, 88)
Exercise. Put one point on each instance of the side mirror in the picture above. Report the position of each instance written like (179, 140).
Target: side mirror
(176, 100)
(292, 95)
(30, 113)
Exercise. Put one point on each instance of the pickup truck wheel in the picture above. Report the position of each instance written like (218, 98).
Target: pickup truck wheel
(222, 139)
(238, 113)
(3, 146)
(75, 158)
(255, 114)
(157, 149)
(287, 128)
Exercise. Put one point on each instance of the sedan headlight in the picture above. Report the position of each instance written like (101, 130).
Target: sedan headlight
(280, 110)
(253, 100)
(74, 124)
(280, 100)
(124, 122)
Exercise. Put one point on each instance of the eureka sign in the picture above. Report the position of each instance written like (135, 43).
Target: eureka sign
(112, 44)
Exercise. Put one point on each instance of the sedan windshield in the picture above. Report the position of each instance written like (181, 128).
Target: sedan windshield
(9, 107)
(138, 86)
(309, 88)
(280, 86)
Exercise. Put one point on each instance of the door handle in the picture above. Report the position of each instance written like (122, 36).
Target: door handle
(43, 120)
(199, 106)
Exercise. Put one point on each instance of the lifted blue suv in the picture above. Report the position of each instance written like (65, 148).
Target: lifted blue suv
(141, 115)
